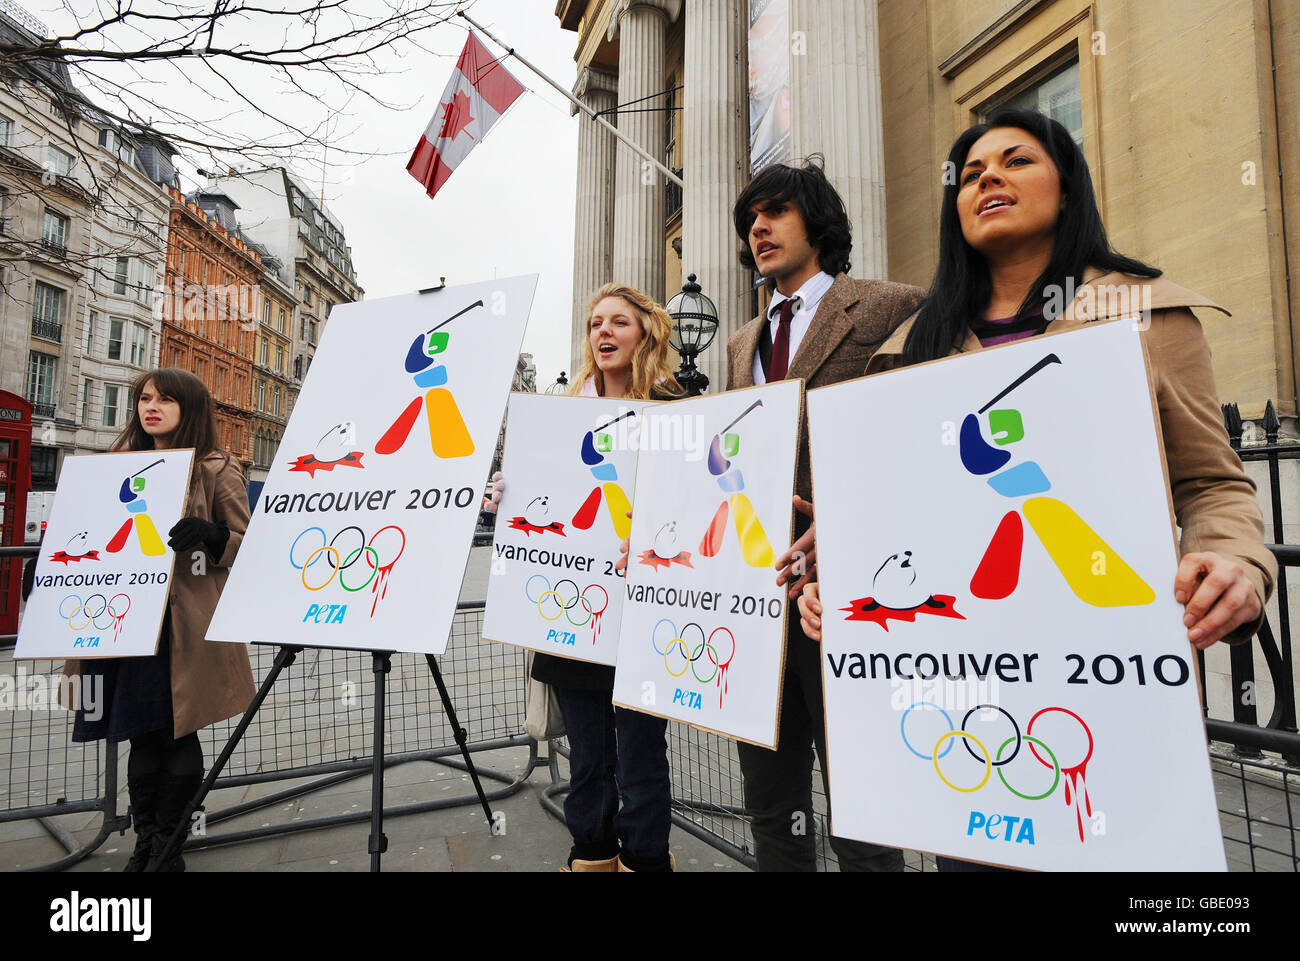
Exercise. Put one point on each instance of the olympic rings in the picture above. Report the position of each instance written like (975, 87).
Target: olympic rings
(564, 604)
(692, 655)
(988, 766)
(338, 563)
(996, 760)
(1029, 797)
(83, 609)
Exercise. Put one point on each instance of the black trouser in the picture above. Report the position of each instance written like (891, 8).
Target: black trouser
(778, 784)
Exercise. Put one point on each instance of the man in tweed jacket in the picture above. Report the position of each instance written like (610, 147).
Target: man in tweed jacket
(821, 327)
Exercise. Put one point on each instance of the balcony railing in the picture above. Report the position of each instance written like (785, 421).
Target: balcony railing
(54, 246)
(42, 410)
(47, 329)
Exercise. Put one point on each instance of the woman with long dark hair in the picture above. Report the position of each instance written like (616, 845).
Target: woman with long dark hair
(1022, 251)
(159, 703)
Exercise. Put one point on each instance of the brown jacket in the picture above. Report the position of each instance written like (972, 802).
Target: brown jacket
(851, 322)
(211, 680)
(1214, 501)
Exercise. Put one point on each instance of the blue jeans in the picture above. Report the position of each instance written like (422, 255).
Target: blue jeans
(615, 751)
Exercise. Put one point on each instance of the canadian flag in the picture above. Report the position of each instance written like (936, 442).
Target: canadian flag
(478, 93)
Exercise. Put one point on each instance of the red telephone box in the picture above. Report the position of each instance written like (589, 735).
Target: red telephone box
(15, 479)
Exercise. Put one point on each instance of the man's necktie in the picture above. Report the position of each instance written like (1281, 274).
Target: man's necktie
(781, 343)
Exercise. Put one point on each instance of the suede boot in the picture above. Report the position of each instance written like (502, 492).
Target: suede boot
(174, 794)
(143, 791)
(576, 865)
(662, 867)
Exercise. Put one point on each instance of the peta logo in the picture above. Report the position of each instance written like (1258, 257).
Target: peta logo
(562, 637)
(993, 825)
(325, 613)
(74, 914)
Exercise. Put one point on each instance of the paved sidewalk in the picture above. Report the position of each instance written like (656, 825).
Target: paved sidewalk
(456, 839)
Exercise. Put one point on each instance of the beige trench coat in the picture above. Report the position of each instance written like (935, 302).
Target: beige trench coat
(1214, 500)
(211, 681)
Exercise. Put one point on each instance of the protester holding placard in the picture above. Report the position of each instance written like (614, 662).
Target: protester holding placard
(614, 751)
(159, 703)
(822, 326)
(1022, 252)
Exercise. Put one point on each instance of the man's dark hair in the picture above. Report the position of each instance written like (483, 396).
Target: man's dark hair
(823, 211)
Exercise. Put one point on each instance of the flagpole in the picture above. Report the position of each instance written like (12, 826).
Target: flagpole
(667, 172)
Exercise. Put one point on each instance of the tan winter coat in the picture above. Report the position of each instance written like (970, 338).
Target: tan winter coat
(211, 681)
(1214, 500)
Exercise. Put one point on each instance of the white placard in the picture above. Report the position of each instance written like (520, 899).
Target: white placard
(360, 536)
(569, 465)
(103, 572)
(1004, 517)
(703, 635)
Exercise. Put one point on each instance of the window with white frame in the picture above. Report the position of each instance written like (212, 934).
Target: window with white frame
(114, 338)
(54, 230)
(92, 320)
(58, 161)
(261, 395)
(40, 381)
(87, 389)
(6, 130)
(112, 395)
(145, 288)
(279, 358)
(139, 345)
(265, 348)
(47, 311)
(276, 409)
(120, 273)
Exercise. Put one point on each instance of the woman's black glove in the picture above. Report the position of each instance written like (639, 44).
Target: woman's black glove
(190, 532)
(29, 577)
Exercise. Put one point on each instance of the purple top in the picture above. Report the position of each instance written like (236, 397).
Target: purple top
(1004, 330)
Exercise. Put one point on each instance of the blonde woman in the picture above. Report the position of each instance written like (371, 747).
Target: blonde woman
(614, 751)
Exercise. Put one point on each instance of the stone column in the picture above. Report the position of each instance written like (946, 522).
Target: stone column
(593, 231)
(836, 111)
(641, 27)
(716, 165)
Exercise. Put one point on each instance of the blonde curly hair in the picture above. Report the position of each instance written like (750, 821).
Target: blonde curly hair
(650, 366)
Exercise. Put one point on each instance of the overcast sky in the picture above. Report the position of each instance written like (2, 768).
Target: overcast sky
(509, 207)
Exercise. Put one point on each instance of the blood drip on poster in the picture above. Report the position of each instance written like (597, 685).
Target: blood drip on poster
(1076, 776)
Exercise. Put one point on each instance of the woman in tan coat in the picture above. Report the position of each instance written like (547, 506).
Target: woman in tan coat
(159, 703)
(1022, 252)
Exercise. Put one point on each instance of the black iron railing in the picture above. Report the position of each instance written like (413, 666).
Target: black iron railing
(1244, 731)
(48, 329)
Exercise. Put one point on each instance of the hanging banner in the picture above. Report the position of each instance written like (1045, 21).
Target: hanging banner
(104, 570)
(769, 83)
(360, 535)
(1002, 646)
(569, 465)
(703, 635)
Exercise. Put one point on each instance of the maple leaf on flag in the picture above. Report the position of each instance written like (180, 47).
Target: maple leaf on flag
(455, 116)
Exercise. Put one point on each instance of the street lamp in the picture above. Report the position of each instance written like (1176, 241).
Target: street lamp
(561, 385)
(695, 323)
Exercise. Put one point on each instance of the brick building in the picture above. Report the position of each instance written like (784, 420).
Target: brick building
(212, 309)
